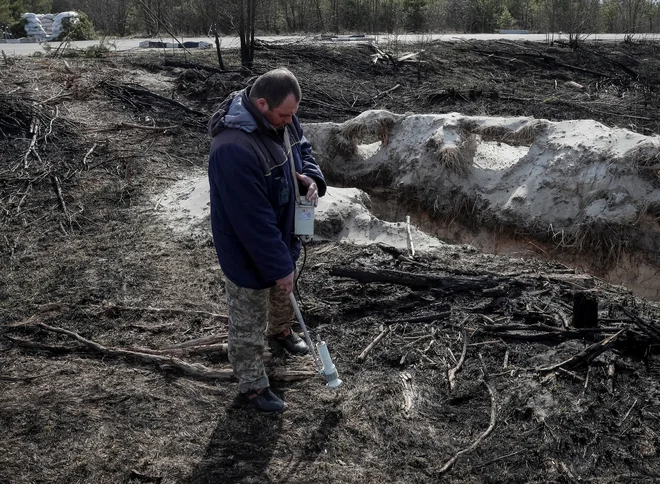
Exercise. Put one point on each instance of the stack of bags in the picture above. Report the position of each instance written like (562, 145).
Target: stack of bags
(47, 22)
(47, 26)
(33, 26)
(57, 23)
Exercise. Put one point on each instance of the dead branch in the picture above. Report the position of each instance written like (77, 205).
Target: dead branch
(34, 129)
(366, 351)
(43, 311)
(206, 340)
(146, 92)
(647, 327)
(491, 426)
(28, 186)
(120, 126)
(87, 155)
(194, 370)
(388, 91)
(55, 349)
(451, 374)
(420, 319)
(111, 308)
(588, 354)
(217, 349)
(58, 191)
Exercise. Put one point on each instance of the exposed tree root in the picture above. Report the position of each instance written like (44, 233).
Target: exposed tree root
(491, 427)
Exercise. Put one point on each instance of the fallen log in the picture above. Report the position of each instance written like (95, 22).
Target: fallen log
(454, 284)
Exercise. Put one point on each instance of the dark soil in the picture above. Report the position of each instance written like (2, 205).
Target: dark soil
(70, 413)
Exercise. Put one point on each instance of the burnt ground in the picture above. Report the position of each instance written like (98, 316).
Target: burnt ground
(83, 250)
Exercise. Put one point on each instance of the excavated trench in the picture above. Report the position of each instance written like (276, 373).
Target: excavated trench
(575, 192)
(632, 270)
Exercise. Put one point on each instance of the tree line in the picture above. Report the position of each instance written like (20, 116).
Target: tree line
(199, 17)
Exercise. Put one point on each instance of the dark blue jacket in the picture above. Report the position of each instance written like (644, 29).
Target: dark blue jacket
(252, 193)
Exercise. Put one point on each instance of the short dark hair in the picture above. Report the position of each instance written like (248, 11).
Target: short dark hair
(275, 86)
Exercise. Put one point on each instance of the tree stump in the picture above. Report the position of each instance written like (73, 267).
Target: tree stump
(585, 310)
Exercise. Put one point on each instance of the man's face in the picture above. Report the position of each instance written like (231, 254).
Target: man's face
(282, 114)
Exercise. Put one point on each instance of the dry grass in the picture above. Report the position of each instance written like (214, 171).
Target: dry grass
(646, 160)
(363, 129)
(523, 136)
(456, 158)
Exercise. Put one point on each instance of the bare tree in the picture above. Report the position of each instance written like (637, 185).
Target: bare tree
(246, 20)
(630, 14)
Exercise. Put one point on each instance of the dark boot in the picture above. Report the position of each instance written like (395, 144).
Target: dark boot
(291, 342)
(264, 400)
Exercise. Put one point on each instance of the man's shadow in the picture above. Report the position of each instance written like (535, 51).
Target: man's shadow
(240, 448)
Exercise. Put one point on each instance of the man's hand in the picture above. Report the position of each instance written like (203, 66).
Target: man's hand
(286, 284)
(312, 189)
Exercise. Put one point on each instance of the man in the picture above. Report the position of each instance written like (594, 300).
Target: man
(252, 215)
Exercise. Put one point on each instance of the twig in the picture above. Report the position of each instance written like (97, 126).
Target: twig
(647, 327)
(571, 374)
(206, 340)
(451, 374)
(34, 129)
(491, 426)
(627, 413)
(366, 351)
(420, 319)
(388, 91)
(588, 354)
(168, 311)
(20, 202)
(217, 349)
(84, 161)
(58, 191)
(50, 125)
(146, 92)
(411, 247)
(120, 126)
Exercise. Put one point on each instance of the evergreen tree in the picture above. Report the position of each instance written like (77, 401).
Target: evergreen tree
(37, 6)
(5, 12)
(16, 8)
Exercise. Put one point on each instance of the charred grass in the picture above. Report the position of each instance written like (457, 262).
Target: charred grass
(69, 414)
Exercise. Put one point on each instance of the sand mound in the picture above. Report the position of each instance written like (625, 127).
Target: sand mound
(342, 215)
(579, 184)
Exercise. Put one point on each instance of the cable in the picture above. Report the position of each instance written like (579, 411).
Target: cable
(302, 268)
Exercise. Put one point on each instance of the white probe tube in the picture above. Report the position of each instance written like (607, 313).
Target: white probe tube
(325, 355)
(329, 371)
(296, 309)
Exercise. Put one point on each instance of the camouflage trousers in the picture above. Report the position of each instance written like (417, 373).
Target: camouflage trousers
(253, 312)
